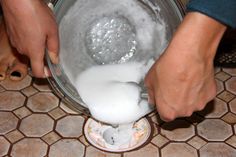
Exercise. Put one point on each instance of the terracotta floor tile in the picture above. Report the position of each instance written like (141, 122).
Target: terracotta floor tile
(93, 152)
(232, 141)
(14, 136)
(178, 150)
(230, 71)
(11, 100)
(147, 151)
(231, 85)
(214, 109)
(29, 91)
(43, 102)
(42, 85)
(226, 96)
(51, 138)
(84, 141)
(8, 122)
(229, 118)
(178, 130)
(220, 86)
(36, 125)
(214, 130)
(222, 76)
(1, 89)
(159, 141)
(197, 142)
(57, 113)
(29, 147)
(67, 109)
(217, 150)
(232, 105)
(22, 112)
(67, 148)
(4, 146)
(70, 126)
(16, 85)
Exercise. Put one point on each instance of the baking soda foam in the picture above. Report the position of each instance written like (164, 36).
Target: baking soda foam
(112, 92)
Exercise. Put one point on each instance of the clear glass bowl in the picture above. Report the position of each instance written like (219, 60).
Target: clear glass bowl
(62, 78)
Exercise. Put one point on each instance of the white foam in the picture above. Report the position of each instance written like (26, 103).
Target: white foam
(112, 92)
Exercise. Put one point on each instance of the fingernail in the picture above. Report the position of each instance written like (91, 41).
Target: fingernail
(54, 57)
(46, 72)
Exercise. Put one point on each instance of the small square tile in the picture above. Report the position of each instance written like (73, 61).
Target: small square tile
(197, 142)
(155, 130)
(229, 118)
(222, 76)
(57, 113)
(159, 141)
(83, 140)
(29, 91)
(51, 138)
(226, 96)
(14, 136)
(22, 112)
(232, 141)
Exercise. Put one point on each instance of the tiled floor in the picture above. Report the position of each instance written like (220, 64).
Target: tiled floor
(35, 123)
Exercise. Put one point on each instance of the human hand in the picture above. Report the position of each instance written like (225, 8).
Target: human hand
(32, 28)
(182, 80)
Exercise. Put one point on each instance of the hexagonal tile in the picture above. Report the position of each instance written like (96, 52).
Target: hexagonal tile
(8, 122)
(93, 152)
(232, 141)
(220, 86)
(178, 130)
(222, 76)
(51, 138)
(36, 125)
(214, 109)
(230, 71)
(22, 112)
(159, 140)
(231, 85)
(178, 150)
(29, 147)
(217, 150)
(14, 136)
(16, 85)
(4, 146)
(11, 100)
(67, 147)
(214, 130)
(29, 91)
(70, 126)
(149, 151)
(232, 106)
(229, 118)
(226, 96)
(42, 85)
(197, 142)
(43, 102)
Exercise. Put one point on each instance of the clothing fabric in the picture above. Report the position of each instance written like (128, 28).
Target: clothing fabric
(223, 11)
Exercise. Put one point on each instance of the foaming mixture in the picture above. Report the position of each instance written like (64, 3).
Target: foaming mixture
(113, 44)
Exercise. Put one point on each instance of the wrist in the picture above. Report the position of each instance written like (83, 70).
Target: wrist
(198, 36)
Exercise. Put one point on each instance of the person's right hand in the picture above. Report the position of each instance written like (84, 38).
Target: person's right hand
(32, 28)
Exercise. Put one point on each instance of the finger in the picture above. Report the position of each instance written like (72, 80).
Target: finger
(166, 113)
(37, 63)
(53, 46)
